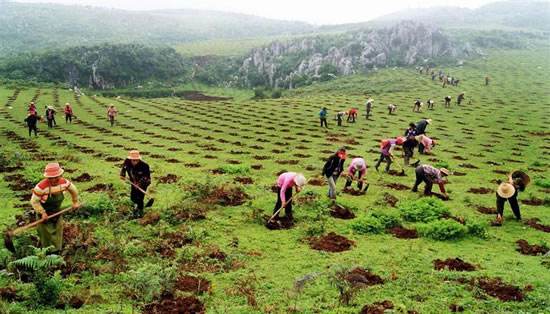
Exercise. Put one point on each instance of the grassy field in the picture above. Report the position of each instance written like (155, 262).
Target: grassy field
(115, 264)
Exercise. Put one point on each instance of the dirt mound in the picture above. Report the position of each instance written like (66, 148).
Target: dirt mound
(354, 192)
(193, 165)
(459, 158)
(168, 179)
(397, 173)
(280, 223)
(100, 188)
(390, 199)
(397, 186)
(8, 294)
(377, 307)
(501, 171)
(173, 161)
(342, 212)
(319, 181)
(150, 218)
(171, 242)
(454, 264)
(458, 174)
(501, 290)
(288, 162)
(227, 196)
(480, 190)
(468, 166)
(533, 201)
(171, 304)
(403, 233)
(85, 177)
(535, 223)
(256, 167)
(331, 243)
(360, 277)
(487, 210)
(244, 180)
(192, 284)
(198, 96)
(113, 159)
(526, 249)
(456, 308)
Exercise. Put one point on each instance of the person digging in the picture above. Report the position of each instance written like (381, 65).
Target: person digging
(285, 183)
(340, 117)
(139, 177)
(408, 148)
(111, 114)
(508, 191)
(392, 108)
(448, 101)
(386, 151)
(422, 125)
(332, 170)
(68, 110)
(425, 144)
(430, 175)
(430, 103)
(460, 98)
(47, 197)
(368, 106)
(32, 121)
(359, 166)
(417, 105)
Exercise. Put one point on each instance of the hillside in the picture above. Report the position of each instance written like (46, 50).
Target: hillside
(29, 27)
(203, 245)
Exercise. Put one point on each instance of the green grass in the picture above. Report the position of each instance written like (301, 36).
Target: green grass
(502, 115)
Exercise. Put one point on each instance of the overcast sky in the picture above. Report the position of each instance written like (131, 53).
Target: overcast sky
(313, 11)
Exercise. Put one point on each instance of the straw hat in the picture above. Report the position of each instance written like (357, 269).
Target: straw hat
(370, 100)
(300, 180)
(506, 190)
(53, 170)
(134, 155)
(50, 107)
(445, 171)
(429, 121)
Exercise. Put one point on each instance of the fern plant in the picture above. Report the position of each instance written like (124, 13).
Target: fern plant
(40, 261)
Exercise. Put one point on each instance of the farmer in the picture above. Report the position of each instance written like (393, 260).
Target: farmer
(430, 103)
(392, 108)
(368, 106)
(444, 81)
(430, 175)
(47, 197)
(32, 120)
(417, 105)
(332, 170)
(448, 101)
(386, 151)
(460, 98)
(425, 144)
(32, 108)
(50, 116)
(323, 117)
(138, 174)
(359, 166)
(352, 115)
(487, 79)
(285, 183)
(422, 125)
(339, 117)
(111, 114)
(508, 191)
(68, 113)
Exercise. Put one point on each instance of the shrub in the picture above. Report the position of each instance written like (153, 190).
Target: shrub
(387, 220)
(477, 229)
(543, 182)
(97, 204)
(235, 169)
(441, 230)
(259, 93)
(149, 281)
(441, 164)
(276, 94)
(423, 210)
(367, 224)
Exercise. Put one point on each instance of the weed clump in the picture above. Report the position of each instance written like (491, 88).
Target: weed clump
(442, 230)
(424, 210)
(374, 223)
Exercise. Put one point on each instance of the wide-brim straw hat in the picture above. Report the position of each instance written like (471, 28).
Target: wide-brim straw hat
(445, 171)
(429, 121)
(300, 180)
(50, 107)
(134, 155)
(53, 170)
(506, 190)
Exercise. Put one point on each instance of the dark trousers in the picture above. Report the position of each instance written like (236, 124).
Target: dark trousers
(409, 152)
(279, 203)
(137, 198)
(112, 120)
(339, 121)
(387, 159)
(68, 118)
(421, 148)
(513, 203)
(324, 122)
(50, 123)
(349, 181)
(368, 114)
(421, 177)
(33, 128)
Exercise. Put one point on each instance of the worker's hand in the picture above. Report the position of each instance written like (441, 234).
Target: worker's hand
(44, 216)
(76, 205)
(122, 178)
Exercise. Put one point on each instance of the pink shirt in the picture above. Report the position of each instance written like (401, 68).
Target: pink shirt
(285, 181)
(427, 142)
(352, 167)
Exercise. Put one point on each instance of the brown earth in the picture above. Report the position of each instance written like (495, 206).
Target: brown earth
(526, 249)
(403, 233)
(454, 264)
(331, 243)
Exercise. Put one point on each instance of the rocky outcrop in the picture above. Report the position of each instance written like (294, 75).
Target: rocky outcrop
(281, 64)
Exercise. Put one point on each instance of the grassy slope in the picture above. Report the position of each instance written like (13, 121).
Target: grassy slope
(517, 93)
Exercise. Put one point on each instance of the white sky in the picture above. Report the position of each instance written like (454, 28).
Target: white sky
(312, 11)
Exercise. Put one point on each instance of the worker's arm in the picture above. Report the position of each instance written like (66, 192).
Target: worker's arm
(37, 206)
(123, 171)
(74, 195)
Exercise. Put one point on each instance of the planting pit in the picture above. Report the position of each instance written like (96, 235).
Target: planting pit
(342, 212)
(526, 249)
(244, 180)
(171, 304)
(100, 188)
(319, 181)
(403, 233)
(85, 177)
(278, 223)
(487, 210)
(533, 201)
(535, 223)
(453, 264)
(353, 192)
(331, 243)
(192, 284)
(377, 307)
(481, 190)
(468, 166)
(149, 218)
(360, 277)
(495, 287)
(397, 173)
(168, 179)
(397, 186)
(390, 200)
